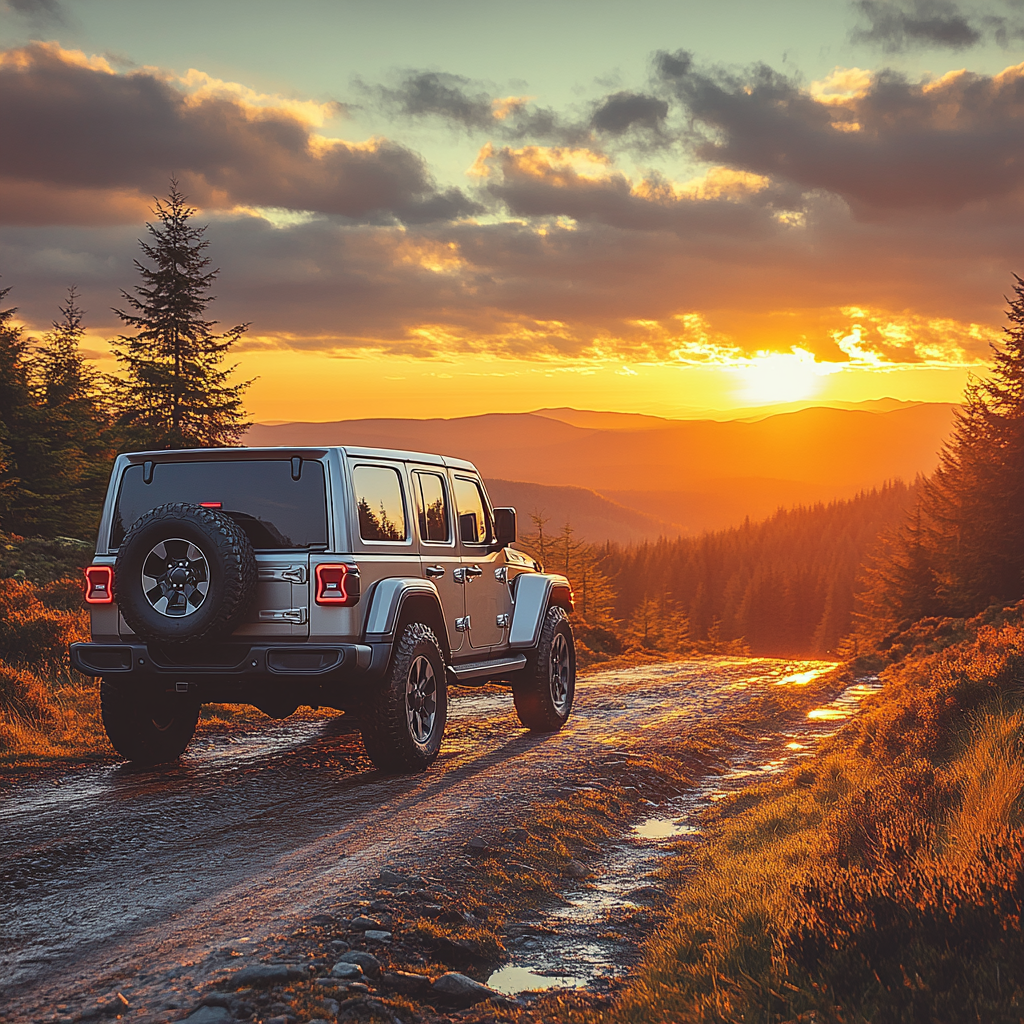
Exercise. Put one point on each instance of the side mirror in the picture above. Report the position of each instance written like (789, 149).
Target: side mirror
(505, 526)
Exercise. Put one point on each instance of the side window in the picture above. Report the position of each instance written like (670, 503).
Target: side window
(379, 503)
(433, 507)
(474, 524)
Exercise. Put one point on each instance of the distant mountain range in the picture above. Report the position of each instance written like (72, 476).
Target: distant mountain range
(627, 477)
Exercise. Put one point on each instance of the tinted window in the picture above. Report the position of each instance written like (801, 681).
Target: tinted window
(379, 503)
(433, 507)
(473, 521)
(261, 496)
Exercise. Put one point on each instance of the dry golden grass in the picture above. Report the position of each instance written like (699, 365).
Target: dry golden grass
(883, 882)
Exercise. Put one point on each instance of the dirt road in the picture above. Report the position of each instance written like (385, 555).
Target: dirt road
(144, 881)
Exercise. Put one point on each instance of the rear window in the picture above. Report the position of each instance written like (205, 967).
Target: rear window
(275, 510)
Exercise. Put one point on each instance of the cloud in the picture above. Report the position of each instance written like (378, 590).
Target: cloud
(40, 13)
(885, 145)
(73, 124)
(897, 26)
(622, 111)
(924, 24)
(469, 106)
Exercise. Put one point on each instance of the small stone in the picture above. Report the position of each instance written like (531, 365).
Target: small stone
(339, 945)
(210, 1015)
(267, 974)
(369, 963)
(380, 907)
(406, 982)
(389, 877)
(377, 935)
(217, 999)
(362, 924)
(576, 869)
(280, 1019)
(358, 986)
(479, 848)
(462, 991)
(346, 971)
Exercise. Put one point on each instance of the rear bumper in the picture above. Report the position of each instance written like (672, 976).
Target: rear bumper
(226, 663)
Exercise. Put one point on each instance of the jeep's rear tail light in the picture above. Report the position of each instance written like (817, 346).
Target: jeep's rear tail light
(210, 504)
(337, 584)
(99, 584)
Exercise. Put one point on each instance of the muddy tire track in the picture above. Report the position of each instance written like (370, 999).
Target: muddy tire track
(142, 878)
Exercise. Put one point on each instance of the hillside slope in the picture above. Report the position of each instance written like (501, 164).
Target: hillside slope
(700, 474)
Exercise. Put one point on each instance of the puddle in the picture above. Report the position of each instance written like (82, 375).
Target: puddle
(512, 980)
(593, 937)
(847, 703)
(664, 828)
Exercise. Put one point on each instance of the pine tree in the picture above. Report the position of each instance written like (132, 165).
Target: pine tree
(80, 442)
(964, 547)
(177, 391)
(15, 403)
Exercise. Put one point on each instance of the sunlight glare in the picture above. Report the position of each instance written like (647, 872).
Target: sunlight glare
(780, 377)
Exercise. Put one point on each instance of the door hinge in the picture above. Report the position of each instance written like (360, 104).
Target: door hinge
(462, 624)
(296, 615)
(501, 574)
(284, 573)
(502, 621)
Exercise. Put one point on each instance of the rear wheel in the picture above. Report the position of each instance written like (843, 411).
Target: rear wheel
(151, 727)
(404, 722)
(544, 690)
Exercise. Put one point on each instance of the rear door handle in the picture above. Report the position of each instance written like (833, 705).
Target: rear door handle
(434, 571)
(473, 571)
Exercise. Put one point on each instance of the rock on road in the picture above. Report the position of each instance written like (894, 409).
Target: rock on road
(114, 872)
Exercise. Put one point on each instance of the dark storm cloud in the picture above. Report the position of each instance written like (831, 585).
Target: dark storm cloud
(894, 144)
(129, 132)
(930, 24)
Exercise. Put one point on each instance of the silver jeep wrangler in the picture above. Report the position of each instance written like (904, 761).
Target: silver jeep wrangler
(362, 579)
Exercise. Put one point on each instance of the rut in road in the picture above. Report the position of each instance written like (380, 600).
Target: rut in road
(118, 872)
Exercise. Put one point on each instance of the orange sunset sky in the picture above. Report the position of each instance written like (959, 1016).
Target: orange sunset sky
(441, 209)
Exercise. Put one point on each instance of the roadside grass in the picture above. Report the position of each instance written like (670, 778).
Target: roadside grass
(882, 880)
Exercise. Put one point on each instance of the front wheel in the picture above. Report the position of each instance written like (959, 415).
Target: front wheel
(544, 690)
(148, 728)
(404, 721)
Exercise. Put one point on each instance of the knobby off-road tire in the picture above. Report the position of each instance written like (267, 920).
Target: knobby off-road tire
(404, 721)
(184, 573)
(544, 690)
(148, 727)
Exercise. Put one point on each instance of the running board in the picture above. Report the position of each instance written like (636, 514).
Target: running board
(484, 669)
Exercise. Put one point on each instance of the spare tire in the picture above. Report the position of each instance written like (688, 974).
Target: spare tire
(184, 572)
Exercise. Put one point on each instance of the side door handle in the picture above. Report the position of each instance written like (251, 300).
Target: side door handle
(434, 571)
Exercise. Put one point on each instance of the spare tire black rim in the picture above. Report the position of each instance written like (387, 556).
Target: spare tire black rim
(175, 577)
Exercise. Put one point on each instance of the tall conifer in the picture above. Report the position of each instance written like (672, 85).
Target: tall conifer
(177, 391)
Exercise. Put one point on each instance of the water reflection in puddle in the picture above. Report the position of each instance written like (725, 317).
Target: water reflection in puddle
(512, 980)
(664, 828)
(846, 704)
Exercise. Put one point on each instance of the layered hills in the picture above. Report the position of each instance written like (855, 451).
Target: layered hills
(643, 476)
